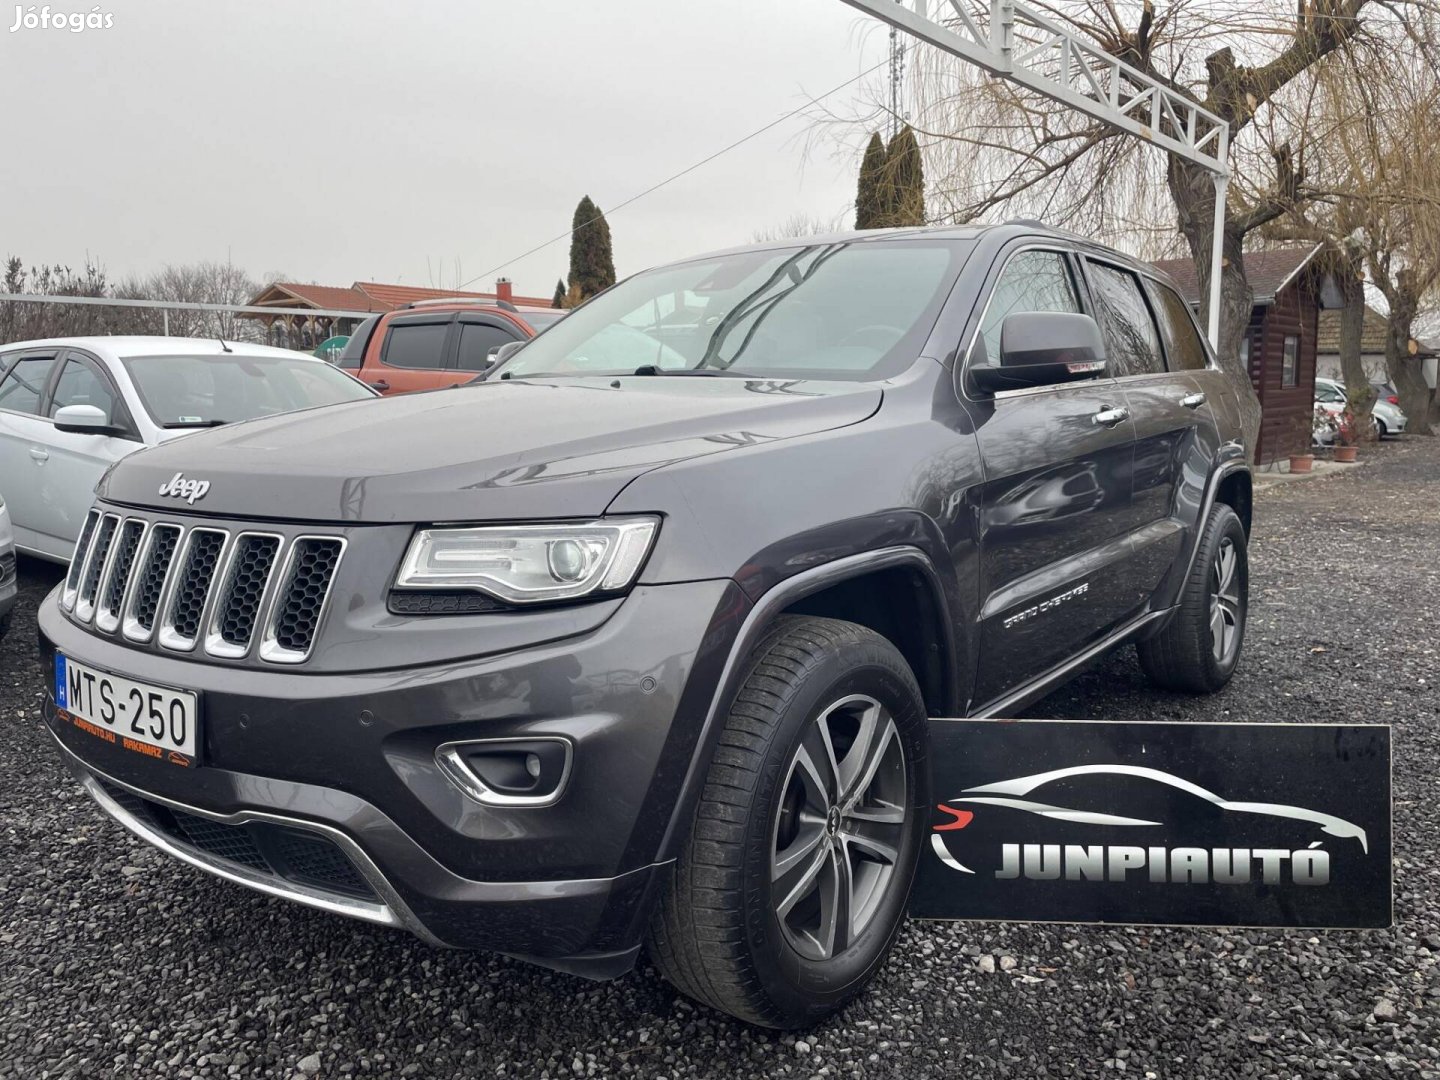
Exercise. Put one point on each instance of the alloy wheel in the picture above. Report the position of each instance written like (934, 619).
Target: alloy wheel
(1225, 604)
(840, 826)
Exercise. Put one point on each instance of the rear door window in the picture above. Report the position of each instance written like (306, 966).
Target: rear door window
(24, 383)
(1132, 344)
(1183, 344)
(417, 343)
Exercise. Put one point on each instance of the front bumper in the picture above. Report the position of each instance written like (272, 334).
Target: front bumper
(347, 763)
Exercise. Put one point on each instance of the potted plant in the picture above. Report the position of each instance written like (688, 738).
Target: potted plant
(1347, 434)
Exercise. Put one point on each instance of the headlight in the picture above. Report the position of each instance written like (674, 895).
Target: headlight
(530, 563)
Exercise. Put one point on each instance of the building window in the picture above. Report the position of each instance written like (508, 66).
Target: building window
(1290, 361)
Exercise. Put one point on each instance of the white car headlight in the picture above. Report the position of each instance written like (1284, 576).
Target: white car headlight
(530, 563)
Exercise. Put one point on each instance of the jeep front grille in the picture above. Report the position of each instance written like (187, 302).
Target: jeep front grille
(205, 586)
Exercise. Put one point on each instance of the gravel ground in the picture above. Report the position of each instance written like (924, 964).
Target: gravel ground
(115, 961)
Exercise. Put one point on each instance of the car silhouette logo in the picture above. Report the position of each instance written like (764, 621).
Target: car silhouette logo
(1023, 793)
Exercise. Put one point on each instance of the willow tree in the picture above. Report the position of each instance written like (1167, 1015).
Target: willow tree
(993, 145)
(1374, 201)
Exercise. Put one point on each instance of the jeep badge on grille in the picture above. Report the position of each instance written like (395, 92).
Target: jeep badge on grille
(178, 487)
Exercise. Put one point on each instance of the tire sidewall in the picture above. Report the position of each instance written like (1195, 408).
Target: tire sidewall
(800, 986)
(1223, 524)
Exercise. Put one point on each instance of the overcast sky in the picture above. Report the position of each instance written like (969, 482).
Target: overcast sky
(338, 141)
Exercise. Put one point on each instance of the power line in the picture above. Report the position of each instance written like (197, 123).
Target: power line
(683, 172)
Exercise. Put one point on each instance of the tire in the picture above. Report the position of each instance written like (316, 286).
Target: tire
(737, 927)
(1185, 656)
(1380, 429)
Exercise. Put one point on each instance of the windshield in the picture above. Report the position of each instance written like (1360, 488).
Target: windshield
(539, 320)
(832, 311)
(201, 391)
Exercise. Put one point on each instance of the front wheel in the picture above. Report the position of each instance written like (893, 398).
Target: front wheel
(795, 880)
(1199, 647)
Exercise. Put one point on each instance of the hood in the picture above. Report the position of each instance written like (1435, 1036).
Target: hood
(503, 450)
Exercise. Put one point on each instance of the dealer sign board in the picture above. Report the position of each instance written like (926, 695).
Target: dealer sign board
(1158, 823)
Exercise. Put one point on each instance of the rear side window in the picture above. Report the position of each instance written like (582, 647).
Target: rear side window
(25, 383)
(1132, 346)
(416, 345)
(1031, 281)
(353, 354)
(80, 384)
(476, 341)
(1183, 344)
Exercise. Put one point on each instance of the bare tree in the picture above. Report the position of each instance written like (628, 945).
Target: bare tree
(796, 225)
(991, 144)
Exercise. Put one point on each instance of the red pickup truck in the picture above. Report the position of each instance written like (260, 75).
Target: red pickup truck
(436, 343)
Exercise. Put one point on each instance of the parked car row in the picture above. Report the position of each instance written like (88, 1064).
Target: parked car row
(1330, 401)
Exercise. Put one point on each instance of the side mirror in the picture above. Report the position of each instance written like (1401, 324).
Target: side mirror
(84, 420)
(1041, 348)
(500, 353)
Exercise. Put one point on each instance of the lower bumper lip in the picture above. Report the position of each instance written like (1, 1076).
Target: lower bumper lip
(388, 910)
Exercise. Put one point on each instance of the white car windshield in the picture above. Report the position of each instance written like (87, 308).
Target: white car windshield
(205, 391)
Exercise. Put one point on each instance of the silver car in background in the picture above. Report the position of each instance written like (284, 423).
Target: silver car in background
(72, 407)
(1330, 396)
(9, 586)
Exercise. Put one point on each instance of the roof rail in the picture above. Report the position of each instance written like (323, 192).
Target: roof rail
(504, 305)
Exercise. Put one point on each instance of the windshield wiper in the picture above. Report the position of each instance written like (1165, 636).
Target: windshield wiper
(718, 373)
(195, 423)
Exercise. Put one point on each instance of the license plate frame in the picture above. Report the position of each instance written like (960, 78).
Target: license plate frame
(131, 724)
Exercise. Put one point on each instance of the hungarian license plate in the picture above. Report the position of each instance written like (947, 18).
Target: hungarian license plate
(157, 721)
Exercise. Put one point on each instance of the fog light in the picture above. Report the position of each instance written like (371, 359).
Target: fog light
(508, 772)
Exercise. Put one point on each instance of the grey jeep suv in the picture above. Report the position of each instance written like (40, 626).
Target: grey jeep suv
(632, 643)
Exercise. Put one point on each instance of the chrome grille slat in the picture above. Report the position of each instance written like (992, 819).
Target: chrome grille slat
(305, 580)
(117, 577)
(156, 563)
(245, 589)
(96, 560)
(189, 596)
(235, 593)
(77, 561)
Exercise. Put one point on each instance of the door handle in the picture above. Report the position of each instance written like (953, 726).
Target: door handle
(1111, 417)
(39, 455)
(380, 385)
(1193, 401)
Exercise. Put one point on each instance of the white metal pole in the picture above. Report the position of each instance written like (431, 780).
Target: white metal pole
(1217, 255)
(166, 316)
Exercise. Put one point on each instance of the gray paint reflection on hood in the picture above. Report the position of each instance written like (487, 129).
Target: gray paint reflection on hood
(504, 450)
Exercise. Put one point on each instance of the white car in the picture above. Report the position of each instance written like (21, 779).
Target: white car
(9, 587)
(1330, 396)
(72, 407)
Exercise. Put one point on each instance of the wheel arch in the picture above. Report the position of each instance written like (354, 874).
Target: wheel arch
(821, 590)
(1234, 488)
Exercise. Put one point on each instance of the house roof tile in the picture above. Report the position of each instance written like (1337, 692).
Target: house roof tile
(1268, 271)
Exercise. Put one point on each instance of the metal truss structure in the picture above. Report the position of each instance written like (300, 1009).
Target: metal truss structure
(1015, 42)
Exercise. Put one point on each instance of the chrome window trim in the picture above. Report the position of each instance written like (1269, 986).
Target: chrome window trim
(85, 609)
(270, 650)
(167, 637)
(215, 645)
(130, 627)
(107, 621)
(78, 559)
